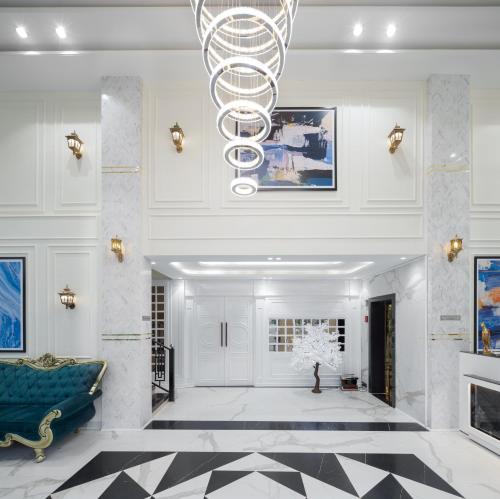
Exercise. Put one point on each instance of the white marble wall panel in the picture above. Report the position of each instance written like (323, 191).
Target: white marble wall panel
(126, 382)
(409, 285)
(449, 110)
(121, 98)
(448, 200)
(126, 286)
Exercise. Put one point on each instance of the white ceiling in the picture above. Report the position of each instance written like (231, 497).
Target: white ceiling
(170, 26)
(326, 267)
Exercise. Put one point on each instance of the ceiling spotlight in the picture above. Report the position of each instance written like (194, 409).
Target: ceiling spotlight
(391, 30)
(61, 32)
(357, 30)
(21, 31)
(278, 258)
(270, 258)
(403, 258)
(153, 263)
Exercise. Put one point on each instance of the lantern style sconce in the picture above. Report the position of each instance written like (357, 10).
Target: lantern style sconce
(177, 136)
(67, 298)
(75, 144)
(395, 138)
(117, 248)
(456, 247)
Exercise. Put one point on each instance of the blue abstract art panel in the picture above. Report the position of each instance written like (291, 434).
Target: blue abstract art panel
(487, 300)
(300, 151)
(12, 305)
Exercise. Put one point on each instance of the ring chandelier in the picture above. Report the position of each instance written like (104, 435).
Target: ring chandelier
(244, 43)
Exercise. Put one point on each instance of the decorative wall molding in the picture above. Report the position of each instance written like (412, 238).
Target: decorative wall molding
(29, 152)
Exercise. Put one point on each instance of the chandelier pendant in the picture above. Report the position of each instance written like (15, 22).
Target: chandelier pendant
(244, 46)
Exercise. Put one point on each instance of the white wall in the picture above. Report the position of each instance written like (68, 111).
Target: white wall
(377, 208)
(49, 212)
(408, 283)
(269, 296)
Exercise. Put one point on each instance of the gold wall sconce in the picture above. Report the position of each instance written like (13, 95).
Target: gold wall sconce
(75, 144)
(456, 247)
(117, 248)
(395, 138)
(177, 136)
(67, 298)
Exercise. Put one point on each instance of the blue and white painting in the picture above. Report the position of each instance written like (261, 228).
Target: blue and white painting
(12, 303)
(300, 151)
(487, 304)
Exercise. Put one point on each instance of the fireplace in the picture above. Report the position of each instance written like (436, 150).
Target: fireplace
(485, 410)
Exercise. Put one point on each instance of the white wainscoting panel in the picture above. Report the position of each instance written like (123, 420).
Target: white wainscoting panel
(485, 151)
(22, 150)
(77, 181)
(73, 331)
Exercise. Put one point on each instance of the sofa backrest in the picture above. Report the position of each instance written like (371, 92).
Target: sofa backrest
(23, 384)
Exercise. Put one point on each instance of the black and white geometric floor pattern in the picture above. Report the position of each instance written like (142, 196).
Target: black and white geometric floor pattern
(254, 475)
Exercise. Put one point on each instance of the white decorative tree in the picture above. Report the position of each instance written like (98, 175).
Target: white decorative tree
(317, 347)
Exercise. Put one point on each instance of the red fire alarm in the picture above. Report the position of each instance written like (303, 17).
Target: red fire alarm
(366, 318)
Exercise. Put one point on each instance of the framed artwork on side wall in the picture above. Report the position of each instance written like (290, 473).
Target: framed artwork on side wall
(12, 304)
(300, 152)
(487, 303)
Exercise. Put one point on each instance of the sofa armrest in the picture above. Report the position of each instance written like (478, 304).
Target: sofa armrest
(74, 404)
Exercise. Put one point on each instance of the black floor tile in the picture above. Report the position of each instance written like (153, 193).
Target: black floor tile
(124, 487)
(219, 479)
(287, 478)
(324, 467)
(106, 463)
(388, 488)
(188, 465)
(283, 425)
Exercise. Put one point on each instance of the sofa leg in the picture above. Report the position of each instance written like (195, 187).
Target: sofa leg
(39, 455)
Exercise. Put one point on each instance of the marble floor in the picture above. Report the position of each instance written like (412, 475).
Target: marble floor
(467, 468)
(258, 463)
(277, 404)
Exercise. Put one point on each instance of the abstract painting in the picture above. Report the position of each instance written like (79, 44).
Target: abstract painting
(300, 151)
(12, 304)
(487, 300)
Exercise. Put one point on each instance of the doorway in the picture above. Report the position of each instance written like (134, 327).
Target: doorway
(382, 348)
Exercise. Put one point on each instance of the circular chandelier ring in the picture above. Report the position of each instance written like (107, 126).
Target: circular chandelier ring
(256, 113)
(242, 144)
(249, 63)
(245, 14)
(286, 13)
(244, 186)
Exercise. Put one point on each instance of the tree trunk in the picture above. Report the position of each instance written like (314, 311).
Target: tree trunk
(316, 386)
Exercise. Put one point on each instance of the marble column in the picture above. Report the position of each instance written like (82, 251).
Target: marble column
(447, 191)
(126, 287)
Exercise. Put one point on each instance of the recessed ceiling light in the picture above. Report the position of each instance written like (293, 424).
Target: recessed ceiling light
(270, 258)
(61, 32)
(391, 30)
(32, 52)
(403, 258)
(69, 52)
(353, 51)
(153, 263)
(21, 31)
(357, 30)
(278, 258)
(385, 51)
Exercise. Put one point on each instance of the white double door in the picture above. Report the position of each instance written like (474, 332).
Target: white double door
(223, 341)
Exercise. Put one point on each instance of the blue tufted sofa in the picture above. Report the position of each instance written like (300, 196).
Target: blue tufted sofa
(45, 399)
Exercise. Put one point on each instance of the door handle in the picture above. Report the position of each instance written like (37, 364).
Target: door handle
(226, 333)
(221, 336)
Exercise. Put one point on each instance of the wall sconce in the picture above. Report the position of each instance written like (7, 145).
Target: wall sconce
(177, 136)
(456, 247)
(117, 248)
(75, 144)
(395, 138)
(67, 298)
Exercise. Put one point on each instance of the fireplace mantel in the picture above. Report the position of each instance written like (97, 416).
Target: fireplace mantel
(478, 373)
